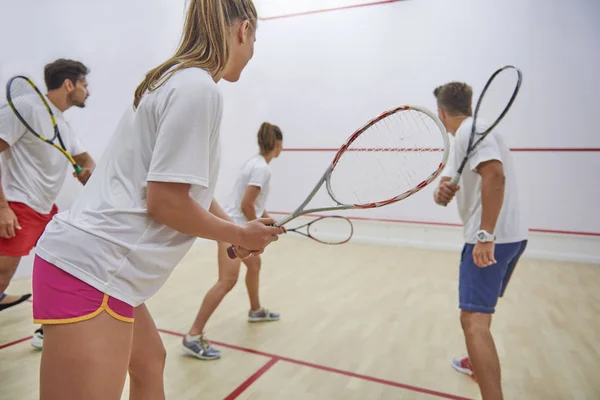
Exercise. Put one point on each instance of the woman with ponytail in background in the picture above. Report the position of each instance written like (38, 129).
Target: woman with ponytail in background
(151, 197)
(246, 203)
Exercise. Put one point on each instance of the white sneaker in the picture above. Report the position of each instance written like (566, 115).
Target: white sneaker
(37, 340)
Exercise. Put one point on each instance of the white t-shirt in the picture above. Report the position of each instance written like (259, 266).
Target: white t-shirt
(106, 238)
(510, 226)
(255, 172)
(33, 171)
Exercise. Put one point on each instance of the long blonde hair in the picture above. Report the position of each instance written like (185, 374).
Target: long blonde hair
(204, 42)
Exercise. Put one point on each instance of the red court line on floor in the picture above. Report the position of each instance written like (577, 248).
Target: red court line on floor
(450, 224)
(328, 369)
(253, 378)
(516, 149)
(373, 379)
(5, 345)
(374, 3)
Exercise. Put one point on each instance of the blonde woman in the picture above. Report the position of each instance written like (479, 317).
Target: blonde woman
(247, 202)
(138, 215)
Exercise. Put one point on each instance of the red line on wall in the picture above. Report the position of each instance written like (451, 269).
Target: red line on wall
(450, 224)
(558, 149)
(253, 378)
(516, 149)
(380, 149)
(374, 3)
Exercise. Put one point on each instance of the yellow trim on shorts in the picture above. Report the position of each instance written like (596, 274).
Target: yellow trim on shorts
(103, 307)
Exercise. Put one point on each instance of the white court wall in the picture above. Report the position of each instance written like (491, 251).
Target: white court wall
(320, 76)
(323, 75)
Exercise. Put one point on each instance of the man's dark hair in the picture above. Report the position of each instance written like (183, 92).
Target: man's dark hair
(455, 98)
(58, 71)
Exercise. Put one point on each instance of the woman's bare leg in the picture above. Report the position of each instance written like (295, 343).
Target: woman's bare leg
(195, 343)
(148, 356)
(85, 360)
(252, 281)
(257, 312)
(228, 274)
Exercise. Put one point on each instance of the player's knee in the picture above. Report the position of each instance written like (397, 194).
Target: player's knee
(5, 277)
(149, 367)
(8, 267)
(254, 265)
(228, 283)
(475, 323)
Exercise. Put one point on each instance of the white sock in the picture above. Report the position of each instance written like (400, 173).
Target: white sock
(192, 338)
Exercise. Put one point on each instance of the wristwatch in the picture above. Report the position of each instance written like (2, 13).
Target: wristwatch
(484, 236)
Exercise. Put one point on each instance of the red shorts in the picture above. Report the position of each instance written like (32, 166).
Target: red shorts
(60, 298)
(32, 226)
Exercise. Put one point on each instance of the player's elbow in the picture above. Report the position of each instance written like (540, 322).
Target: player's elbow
(497, 178)
(492, 173)
(247, 208)
(155, 206)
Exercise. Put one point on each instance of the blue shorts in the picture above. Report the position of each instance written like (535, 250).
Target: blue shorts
(480, 288)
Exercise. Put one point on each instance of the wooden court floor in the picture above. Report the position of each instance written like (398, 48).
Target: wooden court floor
(358, 322)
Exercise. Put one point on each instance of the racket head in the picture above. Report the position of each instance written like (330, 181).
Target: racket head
(321, 228)
(496, 98)
(25, 99)
(390, 158)
(330, 230)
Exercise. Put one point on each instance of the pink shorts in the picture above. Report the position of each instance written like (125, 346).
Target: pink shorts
(60, 298)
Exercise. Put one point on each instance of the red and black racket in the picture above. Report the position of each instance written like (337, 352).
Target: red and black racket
(390, 158)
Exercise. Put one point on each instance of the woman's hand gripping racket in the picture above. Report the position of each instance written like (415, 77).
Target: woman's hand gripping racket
(495, 100)
(390, 158)
(25, 100)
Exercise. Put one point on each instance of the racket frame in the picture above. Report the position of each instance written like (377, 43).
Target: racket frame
(326, 177)
(308, 224)
(472, 146)
(52, 118)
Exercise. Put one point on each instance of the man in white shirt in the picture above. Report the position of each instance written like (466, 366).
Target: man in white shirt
(494, 231)
(33, 172)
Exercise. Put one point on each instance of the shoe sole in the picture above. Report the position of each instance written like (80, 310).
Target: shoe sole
(262, 319)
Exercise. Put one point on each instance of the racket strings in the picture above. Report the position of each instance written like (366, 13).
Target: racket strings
(331, 230)
(30, 106)
(496, 99)
(391, 157)
(404, 174)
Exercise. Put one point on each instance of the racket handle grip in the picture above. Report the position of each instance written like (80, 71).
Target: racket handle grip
(454, 181)
(231, 252)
